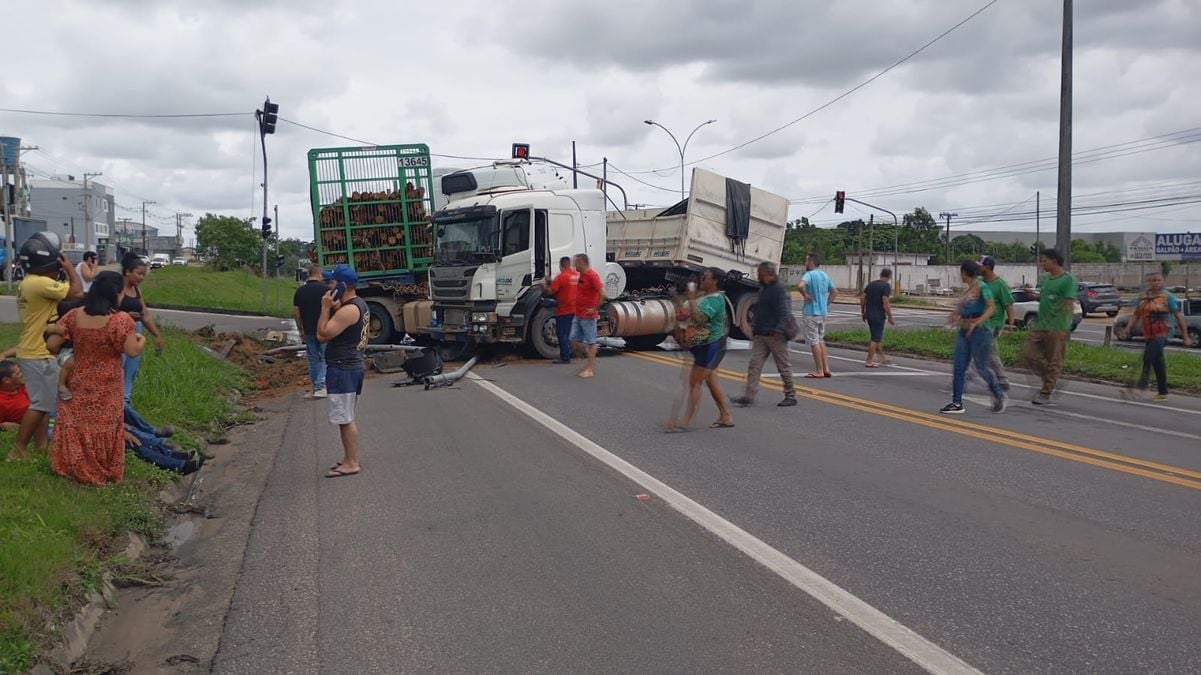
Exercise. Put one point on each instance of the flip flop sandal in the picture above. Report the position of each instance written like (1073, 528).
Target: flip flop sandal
(678, 430)
(338, 473)
(722, 425)
(814, 376)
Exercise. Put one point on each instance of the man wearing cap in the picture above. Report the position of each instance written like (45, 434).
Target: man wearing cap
(342, 326)
(37, 304)
(306, 307)
(998, 322)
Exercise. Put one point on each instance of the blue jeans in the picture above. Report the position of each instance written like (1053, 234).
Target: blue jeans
(563, 333)
(130, 366)
(316, 352)
(976, 349)
(152, 449)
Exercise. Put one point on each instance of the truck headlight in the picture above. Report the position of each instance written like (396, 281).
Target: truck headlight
(479, 317)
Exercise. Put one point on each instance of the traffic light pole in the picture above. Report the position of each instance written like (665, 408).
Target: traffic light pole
(896, 227)
(267, 118)
(1063, 204)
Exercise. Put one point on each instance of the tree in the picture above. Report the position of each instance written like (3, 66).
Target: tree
(228, 242)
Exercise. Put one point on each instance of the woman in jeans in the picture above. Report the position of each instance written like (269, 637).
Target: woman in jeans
(972, 343)
(133, 304)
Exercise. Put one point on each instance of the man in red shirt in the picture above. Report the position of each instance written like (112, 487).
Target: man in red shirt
(564, 289)
(587, 309)
(14, 400)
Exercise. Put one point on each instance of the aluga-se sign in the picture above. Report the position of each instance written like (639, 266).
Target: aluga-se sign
(1187, 245)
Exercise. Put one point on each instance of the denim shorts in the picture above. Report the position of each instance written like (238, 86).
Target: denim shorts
(708, 356)
(583, 330)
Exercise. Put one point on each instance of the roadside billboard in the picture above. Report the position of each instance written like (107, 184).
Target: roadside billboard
(1178, 246)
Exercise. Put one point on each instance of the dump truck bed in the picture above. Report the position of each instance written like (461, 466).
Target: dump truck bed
(696, 233)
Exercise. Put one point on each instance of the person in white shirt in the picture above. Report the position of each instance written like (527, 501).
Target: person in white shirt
(88, 269)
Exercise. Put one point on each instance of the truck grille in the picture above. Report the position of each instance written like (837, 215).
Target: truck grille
(454, 317)
(451, 283)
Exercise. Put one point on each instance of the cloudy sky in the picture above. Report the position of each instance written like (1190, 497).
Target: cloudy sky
(963, 126)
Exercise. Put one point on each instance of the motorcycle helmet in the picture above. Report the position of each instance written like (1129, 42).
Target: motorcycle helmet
(40, 251)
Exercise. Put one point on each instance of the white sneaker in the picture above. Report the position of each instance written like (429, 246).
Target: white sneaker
(320, 393)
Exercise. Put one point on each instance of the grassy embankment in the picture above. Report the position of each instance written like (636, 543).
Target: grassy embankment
(1120, 366)
(57, 537)
(203, 288)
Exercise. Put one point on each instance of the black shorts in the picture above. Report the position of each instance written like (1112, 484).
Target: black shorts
(708, 356)
(876, 328)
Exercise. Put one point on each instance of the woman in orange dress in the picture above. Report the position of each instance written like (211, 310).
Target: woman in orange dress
(89, 434)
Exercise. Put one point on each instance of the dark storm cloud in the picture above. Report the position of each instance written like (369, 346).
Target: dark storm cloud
(827, 44)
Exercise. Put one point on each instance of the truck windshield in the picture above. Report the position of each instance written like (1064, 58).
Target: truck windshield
(468, 241)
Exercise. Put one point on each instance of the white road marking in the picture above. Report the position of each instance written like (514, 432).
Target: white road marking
(1157, 406)
(927, 655)
(873, 372)
(984, 401)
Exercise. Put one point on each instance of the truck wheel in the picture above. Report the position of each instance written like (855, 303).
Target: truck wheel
(542, 340)
(1028, 322)
(1194, 336)
(744, 314)
(381, 330)
(1111, 314)
(644, 342)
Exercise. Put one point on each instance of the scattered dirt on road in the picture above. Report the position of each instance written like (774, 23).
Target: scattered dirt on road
(272, 375)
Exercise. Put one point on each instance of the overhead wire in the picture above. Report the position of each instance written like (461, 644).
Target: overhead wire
(55, 113)
(841, 96)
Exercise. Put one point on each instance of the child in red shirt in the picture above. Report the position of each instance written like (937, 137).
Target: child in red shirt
(14, 400)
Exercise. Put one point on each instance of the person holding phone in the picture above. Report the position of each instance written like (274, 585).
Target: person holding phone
(342, 327)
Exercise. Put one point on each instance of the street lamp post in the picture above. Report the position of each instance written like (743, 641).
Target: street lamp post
(681, 148)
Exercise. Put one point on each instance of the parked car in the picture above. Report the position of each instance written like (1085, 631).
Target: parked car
(179, 261)
(1192, 321)
(1096, 297)
(1025, 308)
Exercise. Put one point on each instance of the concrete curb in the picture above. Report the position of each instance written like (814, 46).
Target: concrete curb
(78, 632)
(213, 310)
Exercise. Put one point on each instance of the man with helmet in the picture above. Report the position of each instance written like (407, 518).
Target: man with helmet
(37, 304)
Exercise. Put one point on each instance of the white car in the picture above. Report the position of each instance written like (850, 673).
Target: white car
(1025, 308)
(179, 261)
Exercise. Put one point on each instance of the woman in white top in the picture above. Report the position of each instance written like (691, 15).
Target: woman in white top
(88, 269)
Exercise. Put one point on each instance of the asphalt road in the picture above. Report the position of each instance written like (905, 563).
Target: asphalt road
(185, 320)
(486, 536)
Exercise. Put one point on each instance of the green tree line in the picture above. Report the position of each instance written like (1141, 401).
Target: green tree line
(228, 242)
(918, 232)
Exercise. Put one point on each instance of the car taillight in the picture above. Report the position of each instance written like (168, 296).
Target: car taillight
(1091, 294)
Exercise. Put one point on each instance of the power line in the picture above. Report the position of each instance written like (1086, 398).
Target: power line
(122, 115)
(635, 178)
(1159, 142)
(371, 144)
(841, 96)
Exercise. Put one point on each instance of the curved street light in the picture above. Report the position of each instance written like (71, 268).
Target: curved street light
(681, 148)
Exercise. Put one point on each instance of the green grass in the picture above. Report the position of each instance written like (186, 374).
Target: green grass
(56, 536)
(1120, 366)
(207, 289)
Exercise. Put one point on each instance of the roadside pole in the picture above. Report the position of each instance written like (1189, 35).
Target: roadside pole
(8, 227)
(277, 265)
(1063, 205)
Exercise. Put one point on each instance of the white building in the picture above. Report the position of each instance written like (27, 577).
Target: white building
(83, 217)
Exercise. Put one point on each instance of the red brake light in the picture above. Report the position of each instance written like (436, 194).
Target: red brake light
(1091, 293)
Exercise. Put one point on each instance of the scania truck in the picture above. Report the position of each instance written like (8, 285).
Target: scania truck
(506, 225)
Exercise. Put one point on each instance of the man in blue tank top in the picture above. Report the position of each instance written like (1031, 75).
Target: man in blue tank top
(342, 326)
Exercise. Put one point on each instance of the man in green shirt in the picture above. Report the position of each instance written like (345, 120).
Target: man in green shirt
(1001, 318)
(1048, 339)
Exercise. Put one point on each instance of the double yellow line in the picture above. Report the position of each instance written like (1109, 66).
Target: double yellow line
(1076, 453)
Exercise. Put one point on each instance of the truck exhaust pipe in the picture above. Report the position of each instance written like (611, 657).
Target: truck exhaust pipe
(447, 379)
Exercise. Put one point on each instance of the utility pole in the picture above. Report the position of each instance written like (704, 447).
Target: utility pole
(277, 265)
(145, 246)
(871, 243)
(88, 229)
(1063, 205)
(948, 215)
(575, 176)
(1038, 211)
(8, 223)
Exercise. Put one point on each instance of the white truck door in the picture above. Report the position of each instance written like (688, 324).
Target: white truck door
(515, 269)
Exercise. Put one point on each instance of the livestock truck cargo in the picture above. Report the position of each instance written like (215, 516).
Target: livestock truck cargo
(372, 208)
(506, 226)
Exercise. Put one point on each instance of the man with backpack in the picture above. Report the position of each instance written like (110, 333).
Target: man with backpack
(1156, 308)
(772, 327)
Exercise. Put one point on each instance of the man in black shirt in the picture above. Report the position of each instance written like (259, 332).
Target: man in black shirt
(306, 307)
(342, 326)
(875, 308)
(772, 326)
